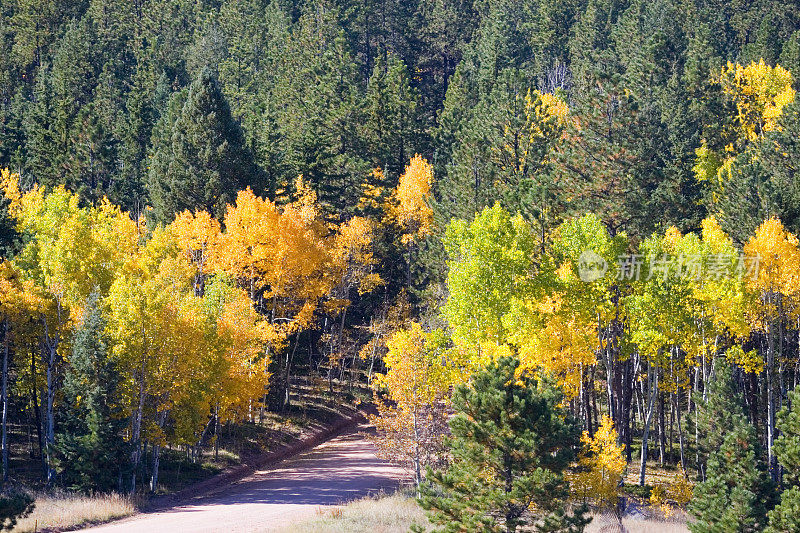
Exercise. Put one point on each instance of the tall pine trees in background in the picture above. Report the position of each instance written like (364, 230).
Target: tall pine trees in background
(200, 159)
(786, 515)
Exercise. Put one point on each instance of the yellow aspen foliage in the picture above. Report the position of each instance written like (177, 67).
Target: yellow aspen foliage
(563, 349)
(19, 298)
(722, 292)
(553, 106)
(601, 467)
(418, 380)
(409, 204)
(760, 93)
(278, 254)
(197, 236)
(352, 258)
(73, 249)
(417, 369)
(778, 259)
(247, 245)
(673, 494)
(749, 361)
(241, 337)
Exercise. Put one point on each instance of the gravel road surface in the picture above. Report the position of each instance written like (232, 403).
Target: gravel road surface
(337, 471)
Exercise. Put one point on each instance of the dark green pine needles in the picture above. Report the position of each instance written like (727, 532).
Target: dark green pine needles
(510, 444)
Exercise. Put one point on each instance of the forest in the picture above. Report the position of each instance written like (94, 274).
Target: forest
(518, 225)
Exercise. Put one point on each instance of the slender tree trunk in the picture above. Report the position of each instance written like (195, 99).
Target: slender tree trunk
(626, 398)
(37, 412)
(50, 353)
(417, 454)
(216, 433)
(645, 433)
(289, 358)
(770, 404)
(680, 431)
(586, 406)
(662, 441)
(162, 417)
(136, 430)
(49, 413)
(4, 394)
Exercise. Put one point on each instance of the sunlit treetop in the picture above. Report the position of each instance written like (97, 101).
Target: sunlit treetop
(72, 249)
(410, 203)
(760, 93)
(778, 263)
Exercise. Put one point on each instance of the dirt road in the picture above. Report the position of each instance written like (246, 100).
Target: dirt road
(340, 470)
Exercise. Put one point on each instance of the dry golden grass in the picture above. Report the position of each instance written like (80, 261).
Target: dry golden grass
(396, 513)
(387, 514)
(69, 511)
(609, 524)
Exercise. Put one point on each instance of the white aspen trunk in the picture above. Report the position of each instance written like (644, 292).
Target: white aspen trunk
(770, 396)
(156, 459)
(162, 417)
(136, 430)
(5, 402)
(645, 434)
(49, 434)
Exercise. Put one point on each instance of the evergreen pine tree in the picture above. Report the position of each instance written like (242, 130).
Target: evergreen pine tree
(319, 103)
(785, 518)
(509, 447)
(90, 450)
(393, 129)
(736, 493)
(200, 160)
(15, 503)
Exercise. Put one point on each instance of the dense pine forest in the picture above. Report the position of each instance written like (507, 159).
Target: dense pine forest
(555, 244)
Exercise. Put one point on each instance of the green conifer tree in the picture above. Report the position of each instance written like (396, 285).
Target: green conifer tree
(510, 444)
(90, 450)
(393, 129)
(200, 159)
(785, 518)
(737, 492)
(319, 112)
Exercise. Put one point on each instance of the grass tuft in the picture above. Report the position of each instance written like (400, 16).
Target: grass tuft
(386, 514)
(61, 511)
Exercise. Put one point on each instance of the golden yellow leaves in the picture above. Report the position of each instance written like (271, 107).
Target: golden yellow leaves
(352, 255)
(776, 288)
(409, 204)
(417, 370)
(564, 348)
(180, 302)
(672, 494)
(197, 235)
(601, 466)
(760, 93)
(778, 258)
(749, 361)
(554, 106)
